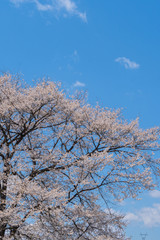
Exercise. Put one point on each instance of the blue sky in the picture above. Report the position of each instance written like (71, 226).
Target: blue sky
(109, 48)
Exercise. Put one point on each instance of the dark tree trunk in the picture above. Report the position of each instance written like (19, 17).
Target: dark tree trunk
(3, 197)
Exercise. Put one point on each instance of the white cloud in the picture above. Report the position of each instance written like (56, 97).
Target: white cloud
(69, 6)
(43, 7)
(39, 5)
(150, 216)
(79, 84)
(155, 194)
(127, 63)
(131, 217)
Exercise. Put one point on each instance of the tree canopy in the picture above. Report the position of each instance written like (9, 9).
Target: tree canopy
(59, 156)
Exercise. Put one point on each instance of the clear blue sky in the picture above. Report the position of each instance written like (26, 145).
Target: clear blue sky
(110, 48)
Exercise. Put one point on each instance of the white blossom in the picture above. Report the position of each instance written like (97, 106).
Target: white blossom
(58, 156)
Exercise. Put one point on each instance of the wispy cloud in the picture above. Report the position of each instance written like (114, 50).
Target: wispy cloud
(79, 84)
(39, 5)
(75, 56)
(69, 6)
(150, 216)
(155, 194)
(43, 7)
(127, 63)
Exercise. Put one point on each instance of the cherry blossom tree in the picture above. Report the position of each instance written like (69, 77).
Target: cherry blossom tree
(59, 156)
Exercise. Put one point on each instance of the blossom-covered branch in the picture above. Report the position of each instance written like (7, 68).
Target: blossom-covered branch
(59, 155)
